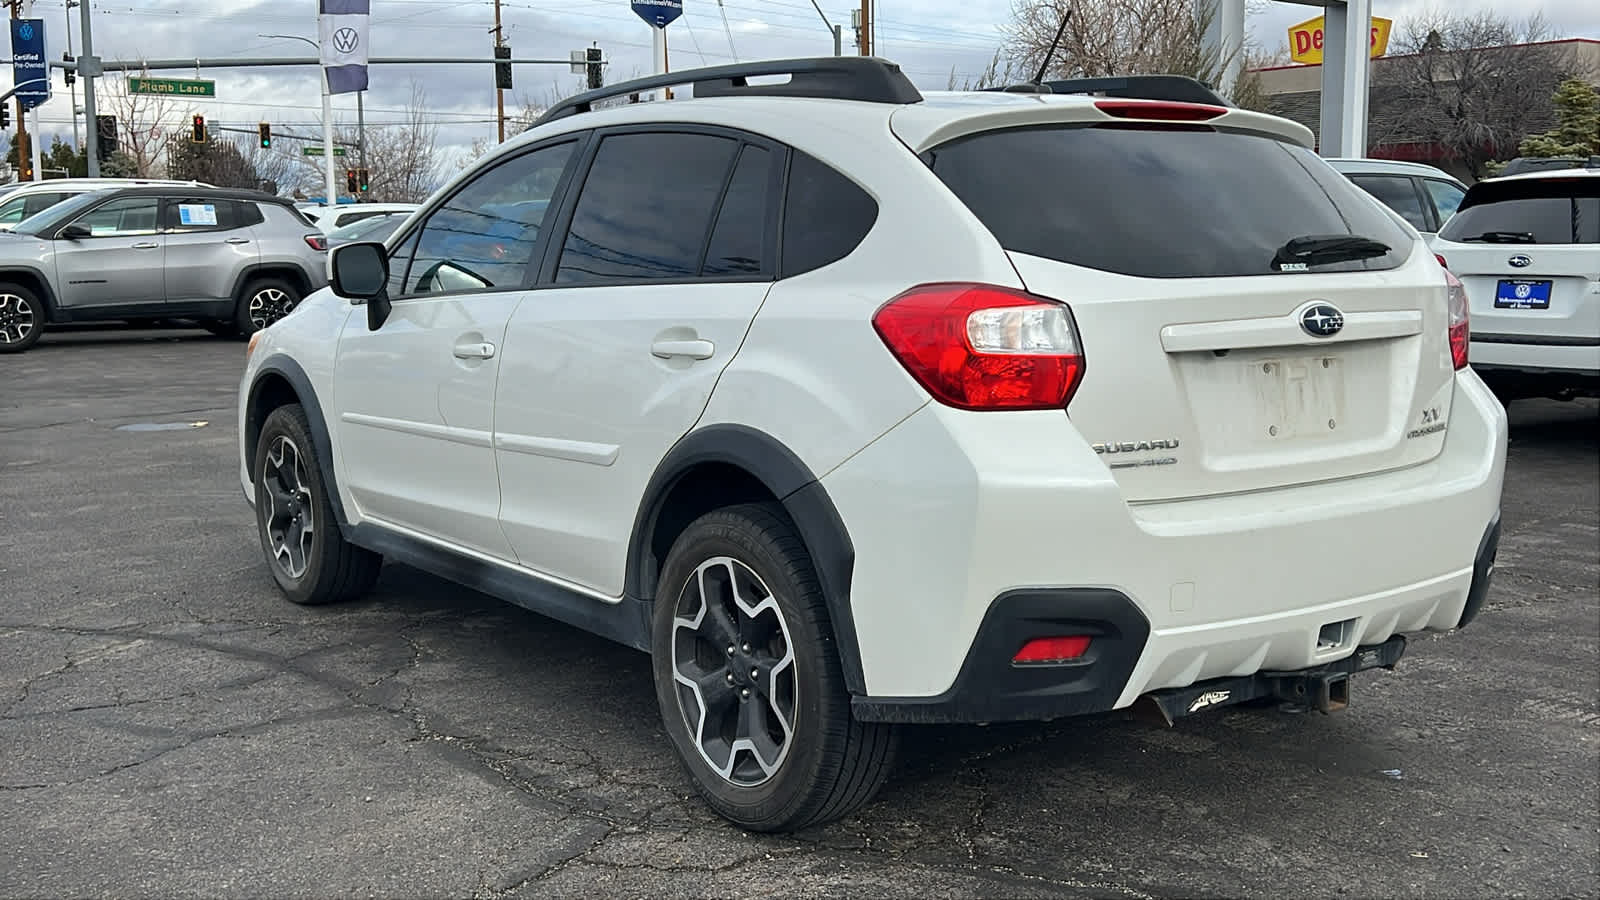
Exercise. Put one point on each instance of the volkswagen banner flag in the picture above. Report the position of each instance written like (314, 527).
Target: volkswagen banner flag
(342, 27)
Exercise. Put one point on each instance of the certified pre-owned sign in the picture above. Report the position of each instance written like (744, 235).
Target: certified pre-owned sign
(28, 62)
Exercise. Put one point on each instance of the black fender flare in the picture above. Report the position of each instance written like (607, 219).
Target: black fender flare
(803, 498)
(290, 371)
(255, 270)
(48, 292)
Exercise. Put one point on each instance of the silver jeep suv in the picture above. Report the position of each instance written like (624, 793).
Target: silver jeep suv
(235, 260)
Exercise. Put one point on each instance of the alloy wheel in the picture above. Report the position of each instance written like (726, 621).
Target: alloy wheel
(734, 668)
(289, 510)
(269, 305)
(16, 319)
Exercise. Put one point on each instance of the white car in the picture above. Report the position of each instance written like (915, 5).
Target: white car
(1527, 247)
(20, 201)
(347, 214)
(1423, 195)
(855, 406)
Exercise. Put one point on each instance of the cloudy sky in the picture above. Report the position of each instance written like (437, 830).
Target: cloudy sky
(929, 38)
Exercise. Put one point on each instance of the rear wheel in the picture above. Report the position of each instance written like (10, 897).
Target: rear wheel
(750, 689)
(309, 557)
(264, 302)
(21, 318)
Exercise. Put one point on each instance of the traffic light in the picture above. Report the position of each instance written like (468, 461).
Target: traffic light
(67, 74)
(364, 180)
(265, 129)
(199, 135)
(105, 128)
(5, 115)
(502, 70)
(592, 58)
(350, 182)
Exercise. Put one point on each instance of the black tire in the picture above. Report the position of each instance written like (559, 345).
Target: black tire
(319, 567)
(22, 318)
(262, 302)
(831, 764)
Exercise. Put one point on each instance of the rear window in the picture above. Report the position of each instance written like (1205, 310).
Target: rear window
(1557, 211)
(1159, 203)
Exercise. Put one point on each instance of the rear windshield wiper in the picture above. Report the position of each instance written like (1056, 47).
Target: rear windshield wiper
(1323, 249)
(1502, 237)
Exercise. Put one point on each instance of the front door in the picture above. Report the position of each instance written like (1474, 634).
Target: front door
(415, 399)
(613, 361)
(120, 263)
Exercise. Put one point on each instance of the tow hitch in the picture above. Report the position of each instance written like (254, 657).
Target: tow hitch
(1324, 688)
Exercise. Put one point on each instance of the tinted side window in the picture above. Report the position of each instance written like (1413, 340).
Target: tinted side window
(646, 208)
(38, 203)
(1446, 197)
(250, 214)
(1159, 203)
(825, 215)
(400, 263)
(183, 215)
(122, 218)
(740, 236)
(1399, 194)
(485, 235)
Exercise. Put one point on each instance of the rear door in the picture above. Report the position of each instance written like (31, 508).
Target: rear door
(648, 292)
(1211, 368)
(1528, 252)
(208, 243)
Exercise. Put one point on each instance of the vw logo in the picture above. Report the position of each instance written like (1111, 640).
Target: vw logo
(1524, 291)
(345, 40)
(1520, 261)
(25, 31)
(1321, 320)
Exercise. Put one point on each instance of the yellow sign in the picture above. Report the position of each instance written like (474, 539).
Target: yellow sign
(1305, 40)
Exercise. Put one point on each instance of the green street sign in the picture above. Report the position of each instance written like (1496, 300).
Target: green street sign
(184, 87)
(316, 150)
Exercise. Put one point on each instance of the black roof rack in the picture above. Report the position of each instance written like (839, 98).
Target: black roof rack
(833, 77)
(1179, 88)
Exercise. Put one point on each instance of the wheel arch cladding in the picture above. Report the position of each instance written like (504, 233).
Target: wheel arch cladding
(723, 465)
(34, 281)
(279, 382)
(263, 271)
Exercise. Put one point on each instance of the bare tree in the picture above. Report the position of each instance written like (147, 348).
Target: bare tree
(1456, 80)
(1124, 37)
(145, 122)
(404, 159)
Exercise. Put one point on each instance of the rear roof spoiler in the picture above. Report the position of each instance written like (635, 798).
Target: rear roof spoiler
(1176, 88)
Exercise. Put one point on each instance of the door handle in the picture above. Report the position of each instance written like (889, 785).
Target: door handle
(479, 350)
(688, 349)
(238, 240)
(147, 245)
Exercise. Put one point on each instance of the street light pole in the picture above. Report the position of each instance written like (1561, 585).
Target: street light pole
(332, 189)
(72, 89)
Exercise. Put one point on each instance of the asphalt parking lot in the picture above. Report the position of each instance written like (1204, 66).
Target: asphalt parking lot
(169, 725)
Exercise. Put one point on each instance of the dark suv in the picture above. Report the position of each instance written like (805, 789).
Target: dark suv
(235, 260)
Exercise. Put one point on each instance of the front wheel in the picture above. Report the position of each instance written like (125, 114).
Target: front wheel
(264, 302)
(21, 318)
(308, 556)
(750, 689)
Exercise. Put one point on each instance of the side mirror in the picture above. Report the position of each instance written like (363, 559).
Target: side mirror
(75, 232)
(361, 272)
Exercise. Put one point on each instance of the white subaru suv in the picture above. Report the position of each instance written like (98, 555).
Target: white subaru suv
(1527, 248)
(856, 407)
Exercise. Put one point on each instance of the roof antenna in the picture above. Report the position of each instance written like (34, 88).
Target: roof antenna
(1045, 66)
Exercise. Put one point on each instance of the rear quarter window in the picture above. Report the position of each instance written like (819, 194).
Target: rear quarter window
(1159, 203)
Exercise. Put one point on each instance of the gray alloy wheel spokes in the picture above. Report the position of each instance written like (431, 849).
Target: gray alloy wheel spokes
(289, 514)
(734, 666)
(268, 306)
(16, 319)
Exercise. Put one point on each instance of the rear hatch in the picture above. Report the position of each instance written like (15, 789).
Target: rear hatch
(1528, 252)
(1217, 360)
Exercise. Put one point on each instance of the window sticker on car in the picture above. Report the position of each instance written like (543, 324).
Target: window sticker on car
(197, 214)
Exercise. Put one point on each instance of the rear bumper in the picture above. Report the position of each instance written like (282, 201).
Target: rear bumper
(1509, 352)
(948, 514)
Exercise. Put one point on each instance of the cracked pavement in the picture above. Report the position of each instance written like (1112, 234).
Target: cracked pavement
(170, 726)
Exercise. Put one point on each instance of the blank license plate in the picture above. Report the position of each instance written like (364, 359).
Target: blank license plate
(1516, 294)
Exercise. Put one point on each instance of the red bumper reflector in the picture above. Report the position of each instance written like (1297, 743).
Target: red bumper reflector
(1052, 649)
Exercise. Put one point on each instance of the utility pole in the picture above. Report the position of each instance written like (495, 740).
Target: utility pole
(22, 120)
(499, 93)
(72, 89)
(864, 38)
(88, 68)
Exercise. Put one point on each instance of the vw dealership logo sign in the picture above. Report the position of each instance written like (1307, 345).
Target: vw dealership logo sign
(346, 40)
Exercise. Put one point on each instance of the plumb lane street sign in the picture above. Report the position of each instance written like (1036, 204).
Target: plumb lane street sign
(185, 87)
(316, 150)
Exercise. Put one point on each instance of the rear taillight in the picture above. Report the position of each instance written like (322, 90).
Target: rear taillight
(981, 347)
(1460, 333)
(317, 241)
(1159, 110)
(1441, 259)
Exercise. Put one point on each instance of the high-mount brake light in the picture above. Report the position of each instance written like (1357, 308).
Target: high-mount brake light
(1159, 110)
(1460, 331)
(982, 347)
